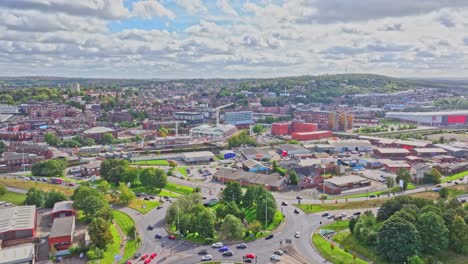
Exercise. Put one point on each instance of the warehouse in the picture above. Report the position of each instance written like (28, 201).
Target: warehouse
(315, 135)
(428, 152)
(198, 157)
(272, 182)
(62, 232)
(254, 166)
(256, 153)
(19, 254)
(391, 153)
(350, 145)
(63, 209)
(454, 151)
(17, 222)
(432, 118)
(217, 132)
(336, 185)
(293, 149)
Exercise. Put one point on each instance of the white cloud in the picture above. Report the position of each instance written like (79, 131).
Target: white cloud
(226, 7)
(192, 6)
(147, 9)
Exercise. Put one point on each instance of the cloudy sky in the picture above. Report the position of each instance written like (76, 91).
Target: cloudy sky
(233, 38)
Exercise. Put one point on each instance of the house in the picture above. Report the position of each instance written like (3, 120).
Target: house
(17, 222)
(62, 233)
(272, 182)
(38, 149)
(63, 209)
(14, 161)
(418, 171)
(18, 254)
(254, 166)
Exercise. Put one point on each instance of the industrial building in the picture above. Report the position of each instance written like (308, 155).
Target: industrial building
(281, 129)
(254, 166)
(336, 185)
(62, 233)
(391, 153)
(316, 135)
(217, 132)
(197, 157)
(350, 145)
(432, 118)
(256, 153)
(272, 182)
(428, 152)
(238, 118)
(190, 117)
(454, 151)
(17, 222)
(18, 254)
(292, 149)
(327, 120)
(97, 133)
(63, 209)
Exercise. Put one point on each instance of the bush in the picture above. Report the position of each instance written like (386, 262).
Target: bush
(76, 250)
(95, 253)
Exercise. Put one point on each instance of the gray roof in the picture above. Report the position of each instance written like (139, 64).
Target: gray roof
(64, 226)
(63, 206)
(430, 150)
(22, 253)
(255, 151)
(98, 130)
(198, 154)
(17, 217)
(17, 156)
(343, 180)
(393, 150)
(290, 147)
(273, 179)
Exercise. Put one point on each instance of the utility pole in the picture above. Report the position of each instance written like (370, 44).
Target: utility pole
(266, 212)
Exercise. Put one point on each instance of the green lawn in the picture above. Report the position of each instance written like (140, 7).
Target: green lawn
(161, 193)
(348, 241)
(143, 206)
(411, 186)
(315, 208)
(183, 171)
(455, 176)
(131, 248)
(337, 225)
(125, 222)
(14, 198)
(277, 219)
(112, 249)
(152, 162)
(337, 255)
(182, 189)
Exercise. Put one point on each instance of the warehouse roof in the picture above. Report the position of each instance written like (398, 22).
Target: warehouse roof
(462, 112)
(17, 217)
(63, 206)
(98, 130)
(291, 147)
(198, 154)
(64, 226)
(430, 150)
(344, 180)
(22, 253)
(273, 179)
(353, 142)
(392, 151)
(255, 151)
(449, 147)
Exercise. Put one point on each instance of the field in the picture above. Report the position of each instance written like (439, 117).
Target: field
(151, 162)
(39, 185)
(315, 208)
(143, 206)
(182, 189)
(453, 191)
(455, 176)
(14, 198)
(411, 186)
(336, 255)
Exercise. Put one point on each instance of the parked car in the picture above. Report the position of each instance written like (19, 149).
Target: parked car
(357, 213)
(171, 237)
(203, 252)
(70, 184)
(145, 256)
(150, 227)
(153, 255)
(147, 198)
(270, 236)
(325, 214)
(241, 245)
(297, 235)
(372, 196)
(207, 258)
(137, 255)
(331, 216)
(228, 254)
(217, 245)
(279, 252)
(159, 207)
(296, 211)
(158, 236)
(275, 257)
(152, 197)
(343, 215)
(449, 181)
(147, 261)
(299, 197)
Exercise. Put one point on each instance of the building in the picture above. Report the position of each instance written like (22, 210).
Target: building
(63, 209)
(217, 132)
(75, 88)
(428, 152)
(62, 233)
(316, 135)
(17, 222)
(327, 120)
(395, 166)
(19, 254)
(256, 153)
(197, 157)
(97, 133)
(418, 171)
(238, 118)
(391, 153)
(254, 166)
(272, 182)
(38, 149)
(190, 117)
(292, 149)
(350, 145)
(279, 129)
(9, 109)
(120, 117)
(336, 185)
(448, 118)
(454, 151)
(450, 168)
(14, 161)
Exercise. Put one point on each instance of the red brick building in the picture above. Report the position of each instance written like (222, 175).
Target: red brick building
(63, 209)
(278, 129)
(62, 233)
(302, 136)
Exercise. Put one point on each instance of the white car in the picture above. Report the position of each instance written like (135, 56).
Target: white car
(297, 235)
(275, 257)
(343, 215)
(207, 257)
(217, 245)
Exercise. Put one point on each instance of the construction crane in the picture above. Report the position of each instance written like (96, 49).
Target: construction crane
(176, 122)
(217, 111)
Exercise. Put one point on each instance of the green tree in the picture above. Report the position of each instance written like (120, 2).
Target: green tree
(205, 222)
(365, 229)
(391, 206)
(112, 170)
(103, 187)
(293, 178)
(443, 192)
(49, 168)
(107, 139)
(105, 213)
(415, 259)
(390, 181)
(232, 227)
(99, 233)
(126, 194)
(404, 175)
(397, 240)
(3, 147)
(130, 174)
(92, 204)
(232, 192)
(249, 197)
(54, 197)
(35, 197)
(257, 129)
(433, 233)
(88, 199)
(153, 178)
(3, 190)
(459, 235)
(51, 139)
(266, 208)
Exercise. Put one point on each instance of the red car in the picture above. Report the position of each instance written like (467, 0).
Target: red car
(152, 256)
(171, 237)
(148, 260)
(70, 184)
(129, 262)
(145, 256)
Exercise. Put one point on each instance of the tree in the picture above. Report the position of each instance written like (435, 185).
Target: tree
(441, 140)
(404, 175)
(397, 240)
(232, 192)
(112, 170)
(232, 227)
(415, 259)
(365, 229)
(153, 178)
(105, 213)
(126, 195)
(352, 224)
(103, 187)
(54, 197)
(433, 233)
(49, 168)
(3, 147)
(88, 199)
(390, 181)
(391, 206)
(92, 204)
(249, 197)
(99, 233)
(51, 139)
(274, 166)
(459, 235)
(130, 174)
(443, 192)
(35, 197)
(266, 208)
(107, 139)
(257, 129)
(3, 190)
(293, 178)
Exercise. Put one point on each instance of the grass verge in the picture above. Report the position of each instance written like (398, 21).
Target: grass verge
(337, 225)
(22, 184)
(336, 255)
(182, 189)
(125, 222)
(14, 198)
(348, 241)
(151, 162)
(143, 206)
(455, 176)
(112, 249)
(131, 248)
(315, 208)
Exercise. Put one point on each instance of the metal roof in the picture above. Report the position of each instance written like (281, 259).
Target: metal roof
(22, 253)
(63, 206)
(17, 217)
(64, 226)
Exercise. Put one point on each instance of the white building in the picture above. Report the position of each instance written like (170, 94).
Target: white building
(217, 132)
(8, 109)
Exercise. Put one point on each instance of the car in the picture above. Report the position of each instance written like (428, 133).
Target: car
(449, 181)
(153, 255)
(331, 216)
(228, 254)
(158, 236)
(439, 185)
(279, 252)
(299, 198)
(207, 258)
(159, 207)
(241, 245)
(343, 214)
(275, 257)
(70, 184)
(204, 197)
(223, 249)
(270, 236)
(32, 178)
(284, 203)
(145, 256)
(203, 252)
(150, 227)
(143, 194)
(357, 213)
(456, 183)
(152, 197)
(325, 214)
(44, 179)
(147, 261)
(247, 260)
(171, 237)
(372, 196)
(137, 195)
(137, 255)
(147, 198)
(217, 245)
(297, 235)
(296, 211)
(462, 200)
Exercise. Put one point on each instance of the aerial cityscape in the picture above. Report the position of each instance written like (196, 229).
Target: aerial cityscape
(233, 131)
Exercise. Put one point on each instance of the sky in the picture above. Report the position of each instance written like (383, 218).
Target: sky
(233, 38)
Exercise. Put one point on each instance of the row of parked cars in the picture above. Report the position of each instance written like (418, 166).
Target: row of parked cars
(341, 216)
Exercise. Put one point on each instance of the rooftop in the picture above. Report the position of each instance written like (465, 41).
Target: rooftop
(273, 179)
(98, 130)
(393, 150)
(18, 217)
(197, 154)
(343, 180)
(462, 112)
(64, 226)
(22, 253)
(63, 206)
(430, 150)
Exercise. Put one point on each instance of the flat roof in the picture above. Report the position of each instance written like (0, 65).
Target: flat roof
(449, 147)
(343, 180)
(198, 154)
(22, 253)
(97, 130)
(63, 206)
(289, 147)
(430, 150)
(17, 217)
(63, 226)
(273, 179)
(393, 150)
(348, 142)
(461, 112)
(309, 162)
(255, 151)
